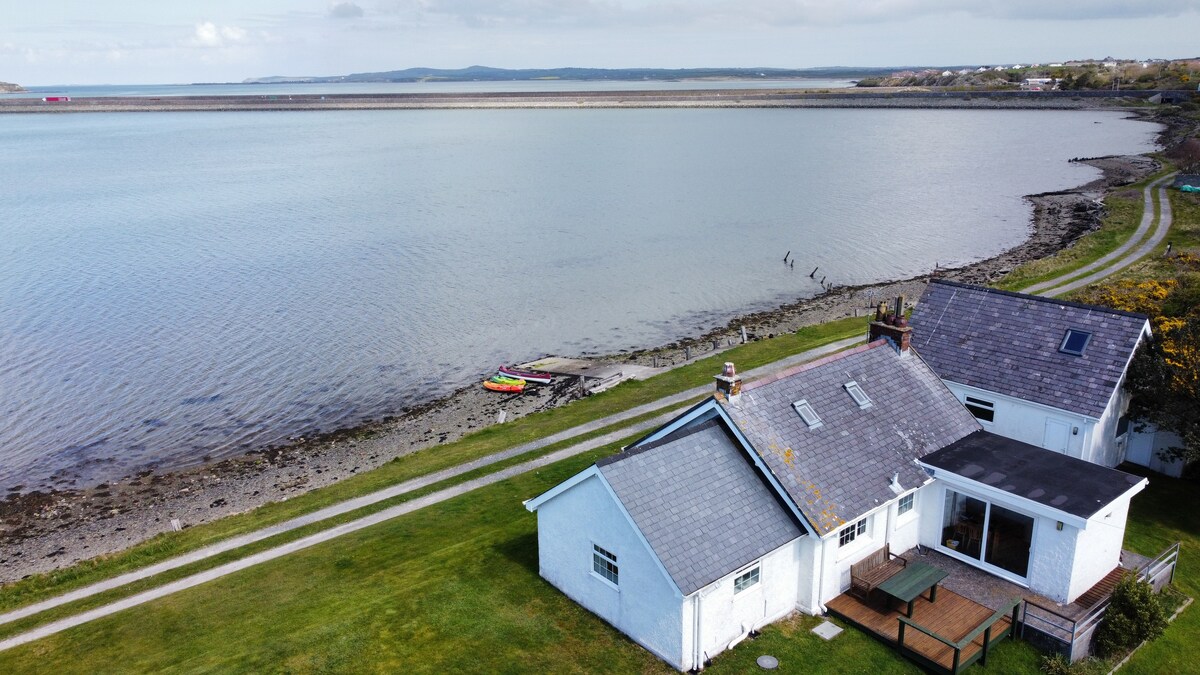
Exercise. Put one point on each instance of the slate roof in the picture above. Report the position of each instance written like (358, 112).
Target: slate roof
(842, 469)
(1008, 343)
(1034, 473)
(700, 503)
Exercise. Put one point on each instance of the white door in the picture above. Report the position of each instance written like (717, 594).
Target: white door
(1056, 436)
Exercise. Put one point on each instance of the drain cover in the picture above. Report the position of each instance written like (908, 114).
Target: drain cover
(767, 662)
(827, 630)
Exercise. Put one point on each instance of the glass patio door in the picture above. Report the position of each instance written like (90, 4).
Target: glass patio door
(989, 533)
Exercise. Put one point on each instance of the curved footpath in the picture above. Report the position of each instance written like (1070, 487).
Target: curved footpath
(373, 498)
(1104, 267)
(1113, 262)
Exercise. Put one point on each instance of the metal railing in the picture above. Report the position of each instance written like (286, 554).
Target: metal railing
(1075, 633)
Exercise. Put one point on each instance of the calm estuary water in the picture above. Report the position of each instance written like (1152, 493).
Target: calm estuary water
(180, 286)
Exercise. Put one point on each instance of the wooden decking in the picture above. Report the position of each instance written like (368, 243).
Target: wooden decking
(953, 617)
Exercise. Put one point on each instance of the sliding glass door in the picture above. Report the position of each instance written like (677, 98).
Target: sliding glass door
(997, 536)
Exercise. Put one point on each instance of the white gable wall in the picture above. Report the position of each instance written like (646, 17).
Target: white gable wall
(646, 606)
(726, 616)
(1100, 546)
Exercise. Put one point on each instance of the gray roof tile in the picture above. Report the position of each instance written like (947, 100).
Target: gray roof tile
(1008, 343)
(840, 470)
(700, 504)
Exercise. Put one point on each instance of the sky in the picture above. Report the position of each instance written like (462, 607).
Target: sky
(51, 42)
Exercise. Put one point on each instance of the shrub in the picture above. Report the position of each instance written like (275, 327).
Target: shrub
(1055, 664)
(1136, 613)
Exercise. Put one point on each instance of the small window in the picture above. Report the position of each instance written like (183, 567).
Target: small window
(604, 563)
(852, 532)
(807, 414)
(857, 393)
(906, 504)
(984, 411)
(1075, 341)
(746, 579)
(1122, 426)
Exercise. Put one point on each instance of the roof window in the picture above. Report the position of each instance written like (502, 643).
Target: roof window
(807, 414)
(1075, 341)
(856, 392)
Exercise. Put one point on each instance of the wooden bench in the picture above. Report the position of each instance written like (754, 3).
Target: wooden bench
(868, 573)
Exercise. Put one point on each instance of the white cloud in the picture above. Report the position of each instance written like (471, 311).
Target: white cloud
(209, 34)
(345, 10)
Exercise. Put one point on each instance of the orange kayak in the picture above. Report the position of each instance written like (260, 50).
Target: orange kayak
(509, 388)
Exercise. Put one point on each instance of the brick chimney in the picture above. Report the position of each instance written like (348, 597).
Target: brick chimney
(729, 383)
(890, 323)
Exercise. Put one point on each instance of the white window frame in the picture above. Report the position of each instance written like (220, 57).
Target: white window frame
(981, 563)
(849, 534)
(602, 559)
(856, 392)
(911, 498)
(972, 403)
(751, 576)
(807, 413)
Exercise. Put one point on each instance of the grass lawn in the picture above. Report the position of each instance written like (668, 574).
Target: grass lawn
(454, 587)
(488, 441)
(451, 588)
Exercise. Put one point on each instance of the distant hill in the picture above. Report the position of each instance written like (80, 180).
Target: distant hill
(486, 74)
(8, 87)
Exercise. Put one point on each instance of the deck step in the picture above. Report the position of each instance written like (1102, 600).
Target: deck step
(1100, 592)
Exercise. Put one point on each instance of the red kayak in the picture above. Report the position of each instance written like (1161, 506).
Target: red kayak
(535, 376)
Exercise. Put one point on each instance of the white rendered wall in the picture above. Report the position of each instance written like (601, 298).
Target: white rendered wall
(1101, 445)
(726, 616)
(1052, 558)
(835, 570)
(906, 528)
(808, 598)
(645, 606)
(1144, 447)
(1024, 421)
(1099, 547)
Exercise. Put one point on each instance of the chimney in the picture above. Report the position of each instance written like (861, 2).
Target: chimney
(729, 383)
(890, 323)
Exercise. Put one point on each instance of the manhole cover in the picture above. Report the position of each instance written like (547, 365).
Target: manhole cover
(768, 662)
(827, 630)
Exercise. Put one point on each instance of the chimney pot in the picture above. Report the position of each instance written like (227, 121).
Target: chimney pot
(729, 383)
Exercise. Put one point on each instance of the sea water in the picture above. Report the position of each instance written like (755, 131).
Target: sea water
(176, 287)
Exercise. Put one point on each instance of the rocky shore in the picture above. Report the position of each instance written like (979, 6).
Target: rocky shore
(42, 531)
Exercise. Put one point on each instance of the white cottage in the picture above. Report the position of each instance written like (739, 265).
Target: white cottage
(1040, 370)
(756, 502)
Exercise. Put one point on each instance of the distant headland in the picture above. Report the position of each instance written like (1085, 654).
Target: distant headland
(9, 87)
(488, 74)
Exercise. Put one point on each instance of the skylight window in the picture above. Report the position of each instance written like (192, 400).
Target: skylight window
(856, 392)
(807, 414)
(1075, 341)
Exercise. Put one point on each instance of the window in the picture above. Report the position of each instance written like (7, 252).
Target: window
(857, 393)
(906, 504)
(1122, 426)
(807, 414)
(604, 563)
(746, 579)
(1075, 341)
(852, 532)
(985, 411)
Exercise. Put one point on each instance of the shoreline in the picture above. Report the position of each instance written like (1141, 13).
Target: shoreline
(871, 97)
(42, 531)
